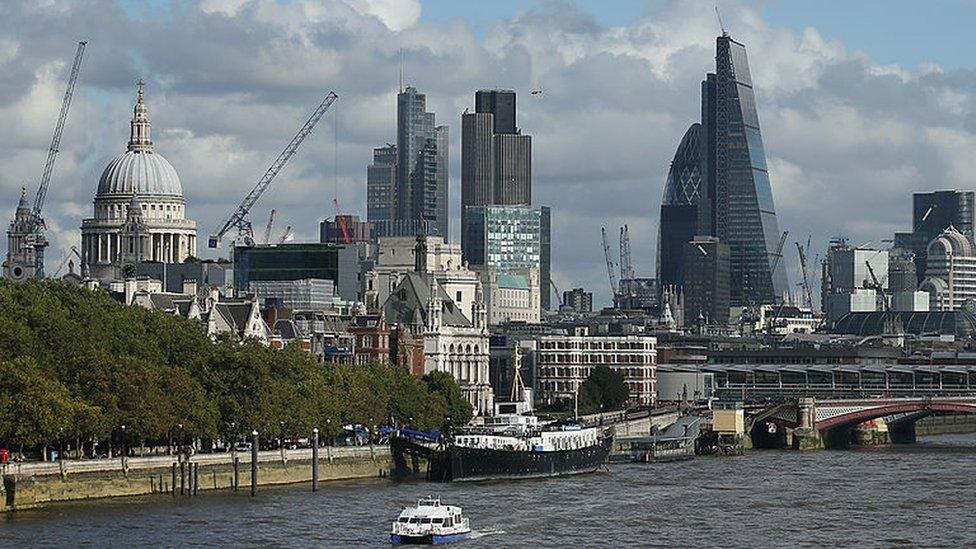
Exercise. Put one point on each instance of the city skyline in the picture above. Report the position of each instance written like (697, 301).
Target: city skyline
(830, 146)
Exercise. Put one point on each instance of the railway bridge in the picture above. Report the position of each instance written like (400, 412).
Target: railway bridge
(817, 405)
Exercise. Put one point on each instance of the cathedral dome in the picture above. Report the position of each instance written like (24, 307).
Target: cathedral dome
(140, 170)
(142, 173)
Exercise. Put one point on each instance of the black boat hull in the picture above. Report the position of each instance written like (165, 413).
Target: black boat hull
(459, 463)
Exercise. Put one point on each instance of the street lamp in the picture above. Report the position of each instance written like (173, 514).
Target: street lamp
(123, 442)
(61, 443)
(328, 428)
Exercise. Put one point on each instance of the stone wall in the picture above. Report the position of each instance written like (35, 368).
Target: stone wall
(34, 484)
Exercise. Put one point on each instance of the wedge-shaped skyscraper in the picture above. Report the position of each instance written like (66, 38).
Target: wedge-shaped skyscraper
(727, 195)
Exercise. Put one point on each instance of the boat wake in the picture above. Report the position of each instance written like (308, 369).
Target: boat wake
(476, 534)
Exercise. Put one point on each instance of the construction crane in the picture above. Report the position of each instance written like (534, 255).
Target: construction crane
(610, 270)
(36, 238)
(626, 265)
(779, 253)
(64, 260)
(268, 227)
(239, 219)
(341, 220)
(805, 281)
(287, 236)
(876, 284)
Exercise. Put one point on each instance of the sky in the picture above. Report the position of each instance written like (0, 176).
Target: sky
(861, 104)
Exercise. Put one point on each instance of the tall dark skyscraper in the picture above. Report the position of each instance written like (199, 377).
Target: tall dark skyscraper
(683, 208)
(496, 170)
(932, 213)
(496, 158)
(732, 198)
(500, 104)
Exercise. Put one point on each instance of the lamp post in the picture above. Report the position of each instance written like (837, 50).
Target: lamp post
(315, 459)
(124, 453)
(61, 443)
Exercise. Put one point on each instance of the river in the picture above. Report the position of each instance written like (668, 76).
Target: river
(915, 495)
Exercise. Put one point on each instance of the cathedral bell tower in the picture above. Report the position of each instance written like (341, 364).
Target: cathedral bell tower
(20, 256)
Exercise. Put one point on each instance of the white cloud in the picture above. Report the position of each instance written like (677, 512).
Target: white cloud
(230, 81)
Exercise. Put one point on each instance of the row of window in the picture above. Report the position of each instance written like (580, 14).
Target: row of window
(606, 345)
(587, 358)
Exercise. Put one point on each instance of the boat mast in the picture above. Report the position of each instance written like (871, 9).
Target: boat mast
(518, 387)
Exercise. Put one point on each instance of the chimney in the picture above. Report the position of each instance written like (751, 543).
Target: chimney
(213, 296)
(190, 286)
(130, 290)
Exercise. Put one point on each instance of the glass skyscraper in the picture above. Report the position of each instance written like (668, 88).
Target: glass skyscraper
(743, 215)
(719, 186)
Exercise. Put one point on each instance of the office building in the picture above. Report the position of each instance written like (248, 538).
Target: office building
(509, 238)
(422, 163)
(932, 213)
(381, 177)
(512, 296)
(407, 182)
(950, 272)
(742, 213)
(719, 186)
(288, 262)
(683, 207)
(565, 361)
(337, 229)
(496, 157)
(706, 289)
(578, 300)
(305, 294)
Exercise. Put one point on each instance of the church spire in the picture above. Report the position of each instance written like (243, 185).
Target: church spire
(139, 138)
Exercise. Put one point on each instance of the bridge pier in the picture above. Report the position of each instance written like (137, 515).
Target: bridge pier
(902, 432)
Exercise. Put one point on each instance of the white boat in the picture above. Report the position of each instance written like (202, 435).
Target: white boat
(430, 523)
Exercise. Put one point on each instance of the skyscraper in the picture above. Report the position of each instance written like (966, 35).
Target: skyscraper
(496, 158)
(719, 186)
(381, 184)
(501, 105)
(496, 170)
(407, 183)
(683, 208)
(933, 213)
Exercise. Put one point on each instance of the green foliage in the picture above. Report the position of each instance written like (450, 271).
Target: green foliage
(76, 363)
(459, 410)
(604, 389)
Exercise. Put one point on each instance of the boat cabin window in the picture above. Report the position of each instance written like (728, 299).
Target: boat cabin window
(448, 522)
(403, 519)
(414, 520)
(437, 520)
(425, 521)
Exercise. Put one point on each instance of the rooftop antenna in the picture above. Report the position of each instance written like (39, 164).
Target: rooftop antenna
(401, 70)
(720, 24)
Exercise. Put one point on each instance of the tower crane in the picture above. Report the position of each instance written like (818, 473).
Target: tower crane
(878, 286)
(626, 264)
(268, 227)
(239, 219)
(610, 270)
(805, 282)
(341, 220)
(36, 238)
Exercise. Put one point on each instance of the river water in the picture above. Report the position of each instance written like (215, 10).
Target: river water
(915, 495)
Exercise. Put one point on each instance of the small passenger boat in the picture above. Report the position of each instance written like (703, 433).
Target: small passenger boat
(430, 523)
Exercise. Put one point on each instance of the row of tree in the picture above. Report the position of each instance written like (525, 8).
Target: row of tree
(77, 365)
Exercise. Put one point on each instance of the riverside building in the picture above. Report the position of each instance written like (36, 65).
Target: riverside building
(565, 361)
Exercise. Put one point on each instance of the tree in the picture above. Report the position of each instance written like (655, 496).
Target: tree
(604, 389)
(459, 410)
(36, 409)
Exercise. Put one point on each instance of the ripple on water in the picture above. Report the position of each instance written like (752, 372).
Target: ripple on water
(902, 496)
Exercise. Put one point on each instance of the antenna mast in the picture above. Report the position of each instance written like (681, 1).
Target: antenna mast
(720, 24)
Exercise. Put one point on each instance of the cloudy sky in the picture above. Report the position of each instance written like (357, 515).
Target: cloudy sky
(859, 105)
